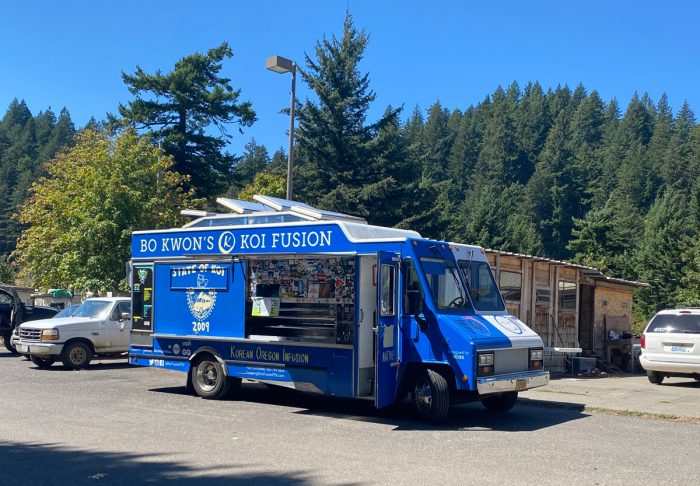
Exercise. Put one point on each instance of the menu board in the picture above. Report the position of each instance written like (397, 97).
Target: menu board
(325, 280)
(142, 299)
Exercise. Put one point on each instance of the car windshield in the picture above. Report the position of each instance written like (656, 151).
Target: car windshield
(445, 286)
(68, 311)
(482, 287)
(683, 323)
(93, 308)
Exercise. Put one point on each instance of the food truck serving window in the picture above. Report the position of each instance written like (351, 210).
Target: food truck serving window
(482, 287)
(445, 286)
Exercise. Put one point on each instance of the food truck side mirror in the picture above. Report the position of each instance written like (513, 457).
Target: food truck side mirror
(415, 303)
(415, 306)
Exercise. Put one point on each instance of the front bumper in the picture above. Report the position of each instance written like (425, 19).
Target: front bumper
(489, 385)
(38, 349)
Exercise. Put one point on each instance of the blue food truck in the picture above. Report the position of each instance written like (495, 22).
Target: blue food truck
(282, 293)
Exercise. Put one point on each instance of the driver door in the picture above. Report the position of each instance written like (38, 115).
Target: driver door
(388, 357)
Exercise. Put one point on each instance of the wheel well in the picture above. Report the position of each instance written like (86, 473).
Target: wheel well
(81, 340)
(207, 352)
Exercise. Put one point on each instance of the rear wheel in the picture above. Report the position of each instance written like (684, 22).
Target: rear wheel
(8, 344)
(431, 396)
(208, 378)
(76, 355)
(500, 403)
(655, 377)
(42, 362)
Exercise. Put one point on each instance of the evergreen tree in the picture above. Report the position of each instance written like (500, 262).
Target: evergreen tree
(335, 145)
(179, 107)
(26, 144)
(666, 238)
(254, 160)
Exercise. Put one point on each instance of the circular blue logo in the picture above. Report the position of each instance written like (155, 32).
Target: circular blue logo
(476, 326)
(510, 323)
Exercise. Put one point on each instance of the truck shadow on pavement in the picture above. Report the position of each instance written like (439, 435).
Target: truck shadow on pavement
(36, 463)
(464, 417)
(93, 367)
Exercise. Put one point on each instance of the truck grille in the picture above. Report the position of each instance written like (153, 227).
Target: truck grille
(29, 334)
(511, 360)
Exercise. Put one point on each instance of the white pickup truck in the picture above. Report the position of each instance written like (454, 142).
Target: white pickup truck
(99, 327)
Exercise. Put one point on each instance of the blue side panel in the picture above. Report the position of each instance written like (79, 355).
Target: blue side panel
(202, 299)
(326, 370)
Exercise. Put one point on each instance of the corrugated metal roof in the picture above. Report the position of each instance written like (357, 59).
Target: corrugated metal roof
(590, 272)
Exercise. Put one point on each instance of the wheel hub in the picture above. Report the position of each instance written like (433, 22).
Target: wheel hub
(423, 396)
(77, 355)
(208, 376)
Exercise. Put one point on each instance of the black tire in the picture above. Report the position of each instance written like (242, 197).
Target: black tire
(208, 378)
(431, 396)
(76, 355)
(6, 341)
(655, 377)
(42, 363)
(500, 403)
(234, 386)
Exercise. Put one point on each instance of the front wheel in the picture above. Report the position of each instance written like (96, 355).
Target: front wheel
(76, 355)
(431, 396)
(500, 403)
(655, 377)
(6, 341)
(42, 363)
(209, 380)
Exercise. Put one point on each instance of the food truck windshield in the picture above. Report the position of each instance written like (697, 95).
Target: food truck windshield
(445, 285)
(482, 287)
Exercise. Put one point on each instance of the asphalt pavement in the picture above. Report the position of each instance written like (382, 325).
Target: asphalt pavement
(114, 424)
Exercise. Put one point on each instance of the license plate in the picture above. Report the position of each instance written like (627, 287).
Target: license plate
(22, 348)
(679, 349)
(520, 385)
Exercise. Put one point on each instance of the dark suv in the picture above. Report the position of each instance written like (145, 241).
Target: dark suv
(14, 312)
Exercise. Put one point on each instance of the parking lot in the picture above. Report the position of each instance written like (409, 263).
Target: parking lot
(117, 424)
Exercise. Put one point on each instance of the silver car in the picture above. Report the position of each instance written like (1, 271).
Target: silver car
(671, 345)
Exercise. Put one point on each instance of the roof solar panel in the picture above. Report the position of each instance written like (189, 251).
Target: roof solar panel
(241, 207)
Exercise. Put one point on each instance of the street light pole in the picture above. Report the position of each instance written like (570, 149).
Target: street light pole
(280, 65)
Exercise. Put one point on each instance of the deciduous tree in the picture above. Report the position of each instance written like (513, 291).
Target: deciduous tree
(81, 215)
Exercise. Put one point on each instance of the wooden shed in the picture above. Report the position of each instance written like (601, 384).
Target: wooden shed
(572, 307)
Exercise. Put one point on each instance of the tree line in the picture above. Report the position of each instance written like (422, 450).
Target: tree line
(556, 172)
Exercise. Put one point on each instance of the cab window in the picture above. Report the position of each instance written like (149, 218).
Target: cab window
(445, 285)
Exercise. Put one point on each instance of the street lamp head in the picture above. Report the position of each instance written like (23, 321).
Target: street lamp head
(279, 64)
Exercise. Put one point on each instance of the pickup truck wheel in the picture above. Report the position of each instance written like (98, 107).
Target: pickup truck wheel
(42, 363)
(76, 355)
(208, 379)
(655, 377)
(500, 403)
(8, 344)
(431, 396)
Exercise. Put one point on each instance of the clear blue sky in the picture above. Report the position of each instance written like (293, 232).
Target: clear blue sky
(72, 53)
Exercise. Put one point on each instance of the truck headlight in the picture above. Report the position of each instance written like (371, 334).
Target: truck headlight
(484, 364)
(49, 335)
(536, 358)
